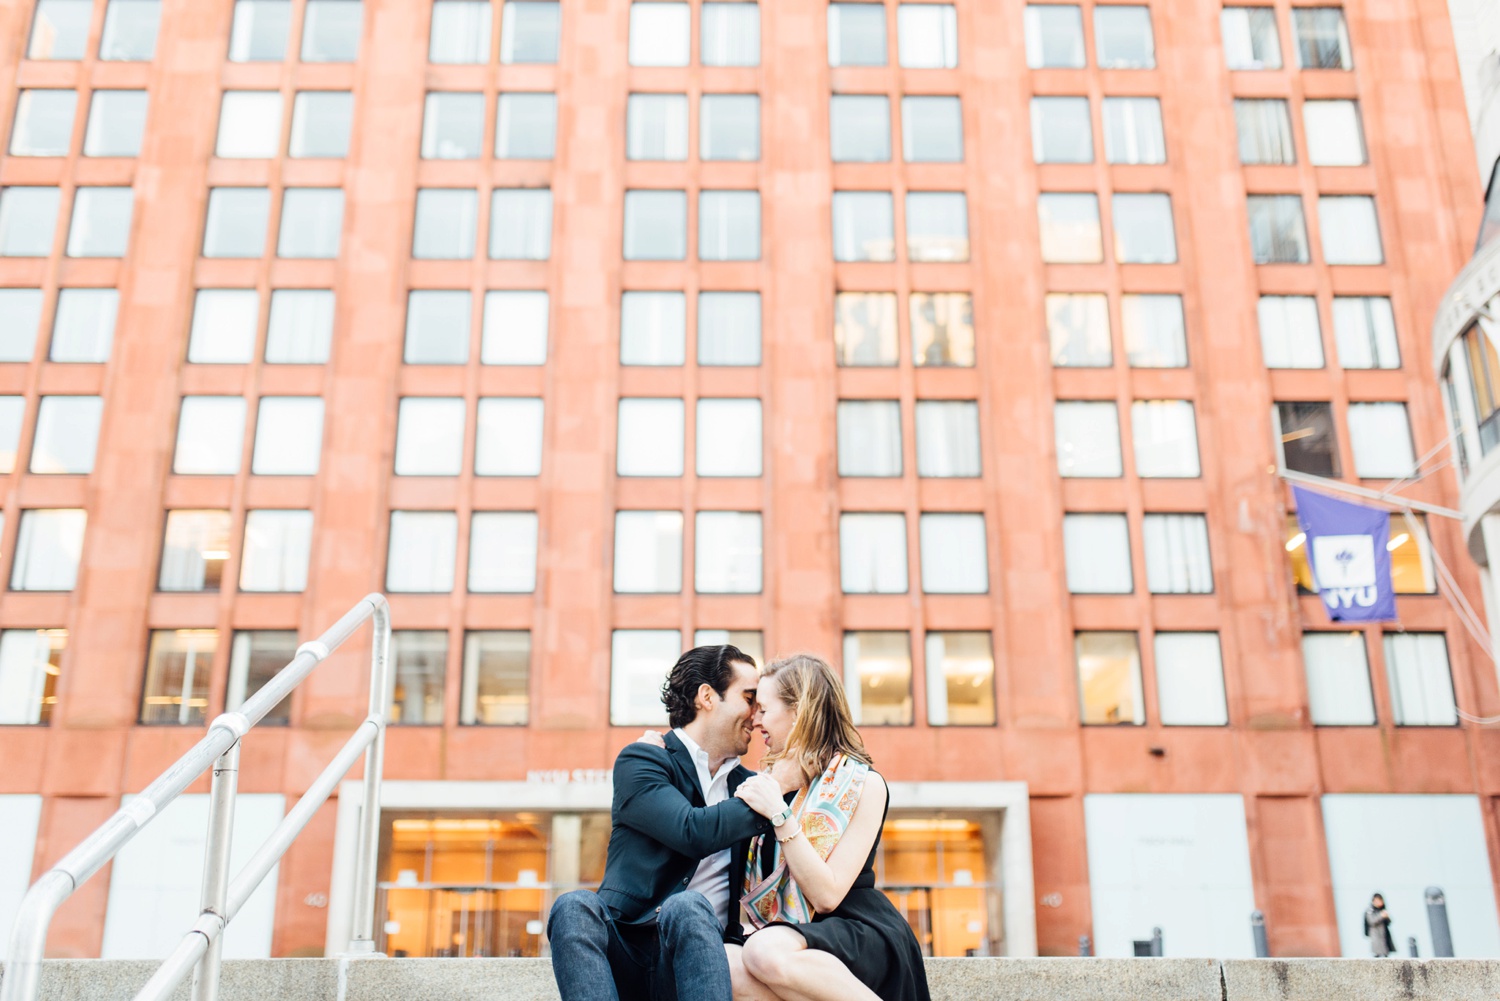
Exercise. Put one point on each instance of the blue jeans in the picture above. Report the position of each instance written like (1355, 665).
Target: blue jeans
(680, 958)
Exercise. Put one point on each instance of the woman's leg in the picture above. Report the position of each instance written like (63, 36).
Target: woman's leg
(746, 987)
(779, 958)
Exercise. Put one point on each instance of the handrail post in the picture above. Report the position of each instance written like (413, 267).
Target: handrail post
(215, 896)
(362, 939)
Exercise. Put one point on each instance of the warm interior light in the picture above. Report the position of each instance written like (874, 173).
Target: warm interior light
(216, 554)
(1295, 541)
(1397, 542)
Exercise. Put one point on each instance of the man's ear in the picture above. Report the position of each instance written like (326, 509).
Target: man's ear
(705, 691)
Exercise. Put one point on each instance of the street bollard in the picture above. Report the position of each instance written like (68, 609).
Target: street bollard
(1411, 946)
(1156, 942)
(1437, 921)
(1258, 929)
(1085, 947)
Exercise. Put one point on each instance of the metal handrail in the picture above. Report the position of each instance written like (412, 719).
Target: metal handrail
(200, 950)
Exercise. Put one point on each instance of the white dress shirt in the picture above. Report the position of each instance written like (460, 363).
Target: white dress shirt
(712, 877)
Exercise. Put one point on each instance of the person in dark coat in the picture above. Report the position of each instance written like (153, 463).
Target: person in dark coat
(1378, 928)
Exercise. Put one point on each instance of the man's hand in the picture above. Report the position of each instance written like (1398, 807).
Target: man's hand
(762, 794)
(652, 737)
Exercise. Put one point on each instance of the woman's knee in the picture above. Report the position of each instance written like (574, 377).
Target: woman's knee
(769, 954)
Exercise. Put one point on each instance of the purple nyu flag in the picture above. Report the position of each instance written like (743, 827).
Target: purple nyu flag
(1347, 554)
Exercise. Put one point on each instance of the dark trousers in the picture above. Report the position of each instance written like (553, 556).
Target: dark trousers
(680, 958)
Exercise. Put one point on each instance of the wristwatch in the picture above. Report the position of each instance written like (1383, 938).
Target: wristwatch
(781, 817)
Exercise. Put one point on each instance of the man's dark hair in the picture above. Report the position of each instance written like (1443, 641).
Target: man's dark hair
(702, 665)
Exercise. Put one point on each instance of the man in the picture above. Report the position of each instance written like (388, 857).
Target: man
(670, 898)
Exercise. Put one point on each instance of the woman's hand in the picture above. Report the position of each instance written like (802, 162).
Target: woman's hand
(762, 794)
(652, 737)
(788, 773)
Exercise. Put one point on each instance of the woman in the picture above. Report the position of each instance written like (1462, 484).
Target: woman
(1378, 928)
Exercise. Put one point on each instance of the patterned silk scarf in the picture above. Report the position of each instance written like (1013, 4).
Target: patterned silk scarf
(823, 812)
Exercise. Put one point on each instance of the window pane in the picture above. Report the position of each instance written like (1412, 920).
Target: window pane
(1122, 36)
(1278, 233)
(224, 326)
(1290, 336)
(193, 550)
(656, 127)
(210, 435)
(1351, 234)
(728, 434)
(528, 32)
(1078, 329)
(1166, 438)
(869, 434)
(288, 436)
(320, 123)
(331, 30)
(1250, 40)
(638, 664)
(932, 130)
(1177, 557)
(502, 552)
(1265, 131)
(872, 553)
(49, 544)
(496, 678)
(249, 124)
(28, 220)
(1411, 556)
(437, 327)
(1380, 436)
(1070, 228)
(20, 318)
(300, 329)
(864, 328)
(1061, 131)
(729, 225)
(452, 126)
(30, 662)
(937, 226)
(729, 127)
(276, 550)
(1365, 329)
(748, 641)
(60, 29)
(44, 123)
(67, 435)
(446, 225)
(236, 225)
(515, 328)
(659, 33)
(1096, 550)
(856, 34)
(508, 440)
(648, 552)
(1416, 666)
(312, 220)
(1338, 679)
(101, 222)
(948, 438)
(928, 34)
(1109, 679)
(1322, 39)
(1088, 438)
(650, 438)
(460, 32)
(1133, 131)
(117, 120)
(728, 328)
(1190, 680)
(527, 127)
(1143, 229)
(1308, 443)
(84, 327)
(259, 31)
(731, 34)
(422, 550)
(254, 659)
(1334, 135)
(1154, 330)
(960, 679)
(130, 28)
(655, 225)
(430, 436)
(877, 678)
(860, 128)
(653, 328)
(178, 665)
(942, 329)
(864, 227)
(727, 552)
(955, 556)
(421, 663)
(12, 413)
(1054, 36)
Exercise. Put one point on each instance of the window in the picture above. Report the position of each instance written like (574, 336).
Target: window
(727, 552)
(1322, 38)
(44, 123)
(650, 438)
(101, 222)
(1411, 556)
(288, 436)
(1143, 229)
(1109, 679)
(872, 553)
(30, 662)
(728, 328)
(20, 317)
(1278, 233)
(249, 124)
(300, 329)
(528, 31)
(1265, 131)
(210, 435)
(660, 33)
(421, 664)
(960, 679)
(496, 678)
(1308, 443)
(864, 328)
(452, 126)
(515, 328)
(729, 225)
(502, 552)
(639, 660)
(1078, 329)
(430, 436)
(236, 224)
(1154, 330)
(730, 34)
(1380, 437)
(1351, 234)
(728, 433)
(1061, 131)
(84, 328)
(932, 130)
(1122, 36)
(446, 224)
(856, 34)
(1166, 438)
(312, 219)
(224, 326)
(942, 329)
(653, 328)
(937, 226)
(193, 551)
(1177, 557)
(259, 31)
(1334, 135)
(28, 220)
(117, 121)
(1070, 228)
(928, 34)
(437, 327)
(1133, 131)
(527, 127)
(729, 127)
(656, 127)
(49, 544)
(60, 29)
(508, 438)
(869, 433)
(255, 658)
(178, 664)
(1365, 329)
(130, 30)
(331, 30)
(67, 435)
(276, 550)
(955, 556)
(1088, 438)
(422, 551)
(864, 227)
(1416, 665)
(648, 552)
(1054, 36)
(859, 128)
(655, 225)
(1290, 336)
(320, 124)
(1250, 40)
(1190, 680)
(460, 32)
(948, 438)
(1096, 550)
(1338, 679)
(877, 677)
(12, 412)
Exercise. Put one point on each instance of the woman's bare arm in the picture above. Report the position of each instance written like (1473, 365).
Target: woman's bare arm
(825, 884)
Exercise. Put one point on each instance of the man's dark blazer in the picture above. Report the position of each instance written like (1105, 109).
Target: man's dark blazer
(662, 830)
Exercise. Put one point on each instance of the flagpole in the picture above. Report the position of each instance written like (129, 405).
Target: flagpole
(1399, 503)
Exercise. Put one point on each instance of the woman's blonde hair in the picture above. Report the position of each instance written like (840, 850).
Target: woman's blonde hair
(824, 725)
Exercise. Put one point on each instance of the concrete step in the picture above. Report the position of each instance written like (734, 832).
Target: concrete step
(381, 979)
